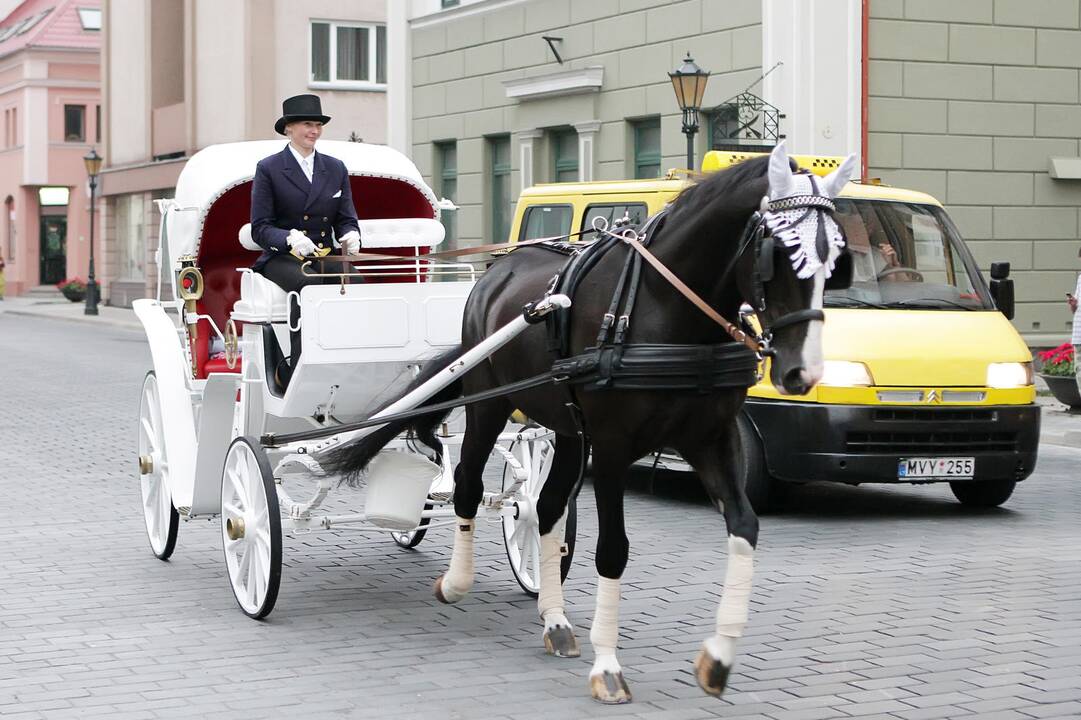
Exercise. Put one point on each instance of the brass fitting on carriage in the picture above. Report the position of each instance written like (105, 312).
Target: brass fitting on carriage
(189, 286)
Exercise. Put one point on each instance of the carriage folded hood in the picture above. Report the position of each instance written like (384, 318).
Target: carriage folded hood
(923, 348)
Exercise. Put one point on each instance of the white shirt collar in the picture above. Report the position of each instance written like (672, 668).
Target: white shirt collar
(307, 164)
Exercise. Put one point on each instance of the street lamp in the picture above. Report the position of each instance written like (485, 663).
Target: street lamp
(689, 82)
(93, 166)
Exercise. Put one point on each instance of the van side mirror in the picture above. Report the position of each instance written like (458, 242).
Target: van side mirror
(1002, 288)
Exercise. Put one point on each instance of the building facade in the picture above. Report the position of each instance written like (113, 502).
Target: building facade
(184, 74)
(50, 113)
(975, 102)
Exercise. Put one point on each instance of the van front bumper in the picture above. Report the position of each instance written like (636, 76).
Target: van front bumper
(864, 443)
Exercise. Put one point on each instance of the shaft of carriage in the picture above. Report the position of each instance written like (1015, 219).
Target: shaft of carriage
(304, 443)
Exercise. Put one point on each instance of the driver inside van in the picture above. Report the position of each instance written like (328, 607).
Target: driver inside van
(869, 262)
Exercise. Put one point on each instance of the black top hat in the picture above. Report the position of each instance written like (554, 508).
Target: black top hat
(300, 107)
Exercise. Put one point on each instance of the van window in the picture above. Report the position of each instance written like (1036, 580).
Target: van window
(906, 255)
(612, 212)
(546, 221)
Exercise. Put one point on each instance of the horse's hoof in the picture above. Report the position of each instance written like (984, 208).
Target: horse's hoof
(712, 674)
(561, 642)
(610, 688)
(437, 590)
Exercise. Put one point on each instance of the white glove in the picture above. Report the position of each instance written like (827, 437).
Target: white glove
(300, 244)
(350, 243)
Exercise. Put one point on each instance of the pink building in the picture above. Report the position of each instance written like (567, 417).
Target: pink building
(50, 113)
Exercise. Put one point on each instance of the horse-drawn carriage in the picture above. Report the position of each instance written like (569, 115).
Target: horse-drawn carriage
(216, 330)
(220, 436)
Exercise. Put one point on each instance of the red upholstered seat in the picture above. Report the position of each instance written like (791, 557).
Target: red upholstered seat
(220, 253)
(218, 365)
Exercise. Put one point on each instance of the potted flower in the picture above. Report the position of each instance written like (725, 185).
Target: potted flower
(74, 289)
(1057, 370)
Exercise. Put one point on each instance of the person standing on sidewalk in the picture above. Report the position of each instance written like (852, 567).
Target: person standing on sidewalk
(3, 282)
(1075, 337)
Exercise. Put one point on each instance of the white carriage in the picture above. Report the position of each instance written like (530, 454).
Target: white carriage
(215, 331)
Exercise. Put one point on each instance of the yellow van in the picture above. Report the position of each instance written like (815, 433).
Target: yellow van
(925, 381)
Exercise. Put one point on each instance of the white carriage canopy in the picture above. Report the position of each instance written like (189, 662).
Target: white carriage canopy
(213, 201)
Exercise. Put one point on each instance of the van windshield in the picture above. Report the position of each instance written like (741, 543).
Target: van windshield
(906, 255)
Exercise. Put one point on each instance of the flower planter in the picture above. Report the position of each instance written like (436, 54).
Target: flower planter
(74, 294)
(1064, 388)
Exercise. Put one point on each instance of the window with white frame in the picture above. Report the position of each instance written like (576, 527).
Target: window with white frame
(348, 55)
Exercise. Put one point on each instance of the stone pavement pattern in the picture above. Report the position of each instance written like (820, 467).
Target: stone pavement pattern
(869, 602)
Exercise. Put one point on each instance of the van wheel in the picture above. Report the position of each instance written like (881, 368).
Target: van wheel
(983, 493)
(766, 493)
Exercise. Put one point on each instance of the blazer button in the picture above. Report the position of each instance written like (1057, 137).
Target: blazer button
(304, 231)
(323, 234)
(324, 219)
(305, 217)
(320, 245)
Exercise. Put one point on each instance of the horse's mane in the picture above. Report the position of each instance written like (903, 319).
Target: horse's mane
(731, 182)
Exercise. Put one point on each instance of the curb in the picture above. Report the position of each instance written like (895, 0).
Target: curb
(131, 323)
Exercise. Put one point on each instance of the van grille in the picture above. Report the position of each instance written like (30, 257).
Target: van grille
(935, 415)
(930, 443)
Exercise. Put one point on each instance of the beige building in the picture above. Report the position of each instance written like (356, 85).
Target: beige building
(180, 75)
(976, 102)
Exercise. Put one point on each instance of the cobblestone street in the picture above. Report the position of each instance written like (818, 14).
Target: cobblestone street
(871, 602)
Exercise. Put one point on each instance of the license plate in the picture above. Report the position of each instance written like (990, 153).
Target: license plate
(930, 467)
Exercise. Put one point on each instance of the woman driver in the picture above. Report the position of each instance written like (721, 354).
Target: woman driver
(300, 202)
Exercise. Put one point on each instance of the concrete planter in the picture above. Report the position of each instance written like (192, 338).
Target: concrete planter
(1064, 388)
(73, 293)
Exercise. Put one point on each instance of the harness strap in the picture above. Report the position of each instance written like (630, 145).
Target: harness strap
(736, 333)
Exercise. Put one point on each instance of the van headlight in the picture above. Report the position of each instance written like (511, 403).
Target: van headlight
(843, 373)
(1009, 375)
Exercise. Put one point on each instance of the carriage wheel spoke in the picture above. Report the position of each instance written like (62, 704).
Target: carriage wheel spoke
(262, 538)
(238, 487)
(232, 509)
(151, 436)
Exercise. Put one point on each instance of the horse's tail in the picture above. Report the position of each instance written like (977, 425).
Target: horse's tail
(350, 460)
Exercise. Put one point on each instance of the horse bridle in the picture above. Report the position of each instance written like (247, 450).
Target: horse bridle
(757, 233)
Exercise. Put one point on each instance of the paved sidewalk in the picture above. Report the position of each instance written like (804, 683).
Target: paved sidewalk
(1060, 425)
(63, 309)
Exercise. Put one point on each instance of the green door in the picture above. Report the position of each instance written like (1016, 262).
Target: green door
(54, 237)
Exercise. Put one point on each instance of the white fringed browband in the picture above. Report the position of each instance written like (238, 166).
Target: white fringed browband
(793, 220)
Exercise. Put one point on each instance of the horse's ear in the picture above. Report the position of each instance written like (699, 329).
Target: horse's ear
(835, 182)
(780, 172)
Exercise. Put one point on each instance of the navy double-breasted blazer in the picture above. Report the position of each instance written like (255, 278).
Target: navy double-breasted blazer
(282, 199)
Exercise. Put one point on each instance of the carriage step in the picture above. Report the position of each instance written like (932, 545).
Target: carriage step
(440, 497)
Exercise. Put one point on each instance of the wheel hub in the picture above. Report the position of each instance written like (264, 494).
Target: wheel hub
(234, 528)
(146, 464)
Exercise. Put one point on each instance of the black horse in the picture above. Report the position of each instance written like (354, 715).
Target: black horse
(699, 240)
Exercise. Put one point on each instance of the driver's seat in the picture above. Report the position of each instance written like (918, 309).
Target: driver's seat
(261, 300)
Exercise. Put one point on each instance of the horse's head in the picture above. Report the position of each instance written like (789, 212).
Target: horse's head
(798, 253)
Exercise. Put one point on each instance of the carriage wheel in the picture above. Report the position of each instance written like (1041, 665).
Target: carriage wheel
(521, 533)
(162, 519)
(410, 539)
(251, 527)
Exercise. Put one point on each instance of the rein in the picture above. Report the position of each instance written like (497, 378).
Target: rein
(460, 252)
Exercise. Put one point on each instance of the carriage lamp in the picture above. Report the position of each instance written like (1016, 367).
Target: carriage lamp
(689, 82)
(93, 166)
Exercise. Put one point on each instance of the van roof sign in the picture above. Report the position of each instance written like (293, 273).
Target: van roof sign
(818, 164)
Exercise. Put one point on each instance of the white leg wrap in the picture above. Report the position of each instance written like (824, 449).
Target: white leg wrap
(735, 600)
(459, 578)
(550, 598)
(605, 631)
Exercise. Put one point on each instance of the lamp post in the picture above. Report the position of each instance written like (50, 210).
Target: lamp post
(93, 166)
(689, 82)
